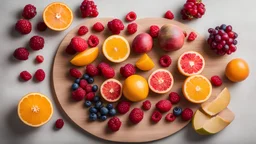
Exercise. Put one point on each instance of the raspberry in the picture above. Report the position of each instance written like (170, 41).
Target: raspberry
(216, 80)
(186, 114)
(185, 33)
(75, 73)
(23, 26)
(69, 50)
(114, 124)
(59, 123)
(123, 107)
(103, 65)
(92, 70)
(153, 31)
(115, 26)
(88, 88)
(127, 70)
(83, 83)
(132, 28)
(93, 41)
(174, 97)
(40, 75)
(41, 26)
(98, 27)
(131, 16)
(192, 36)
(78, 44)
(165, 61)
(136, 115)
(21, 53)
(29, 11)
(108, 72)
(170, 117)
(164, 105)
(78, 94)
(25, 75)
(169, 15)
(146, 105)
(39, 58)
(82, 30)
(192, 9)
(90, 96)
(88, 9)
(156, 116)
(36, 43)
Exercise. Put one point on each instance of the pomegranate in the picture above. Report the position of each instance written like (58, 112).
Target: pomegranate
(142, 43)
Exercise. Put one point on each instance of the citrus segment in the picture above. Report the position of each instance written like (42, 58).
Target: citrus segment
(58, 16)
(116, 48)
(86, 57)
(111, 90)
(35, 109)
(145, 63)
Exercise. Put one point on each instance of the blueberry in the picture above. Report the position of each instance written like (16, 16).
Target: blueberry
(177, 111)
(93, 117)
(94, 88)
(112, 112)
(96, 98)
(223, 26)
(104, 111)
(103, 117)
(86, 76)
(90, 80)
(98, 104)
(93, 110)
(87, 103)
(75, 86)
(109, 106)
(77, 81)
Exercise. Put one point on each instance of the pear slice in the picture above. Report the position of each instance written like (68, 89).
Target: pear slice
(218, 104)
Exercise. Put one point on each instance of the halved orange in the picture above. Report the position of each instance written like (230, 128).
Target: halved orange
(35, 109)
(116, 48)
(197, 89)
(57, 16)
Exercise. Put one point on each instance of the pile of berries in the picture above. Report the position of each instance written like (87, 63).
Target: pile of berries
(99, 111)
(88, 9)
(192, 9)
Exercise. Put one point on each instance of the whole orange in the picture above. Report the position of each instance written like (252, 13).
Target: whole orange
(237, 70)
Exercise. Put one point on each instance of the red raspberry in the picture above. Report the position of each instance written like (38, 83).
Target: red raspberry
(146, 105)
(41, 26)
(165, 61)
(192, 9)
(174, 97)
(123, 107)
(89, 9)
(93, 41)
(40, 75)
(136, 115)
(78, 44)
(185, 33)
(132, 28)
(98, 27)
(23, 26)
(192, 36)
(127, 70)
(169, 15)
(92, 70)
(90, 96)
(78, 94)
(170, 117)
(39, 58)
(25, 75)
(114, 124)
(164, 105)
(75, 73)
(131, 16)
(21, 53)
(153, 31)
(59, 123)
(88, 88)
(108, 72)
(115, 26)
(69, 50)
(82, 30)
(102, 65)
(36, 43)
(216, 80)
(156, 116)
(83, 83)
(187, 114)
(29, 11)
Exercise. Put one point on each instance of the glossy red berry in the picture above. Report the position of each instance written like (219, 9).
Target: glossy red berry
(59, 123)
(131, 16)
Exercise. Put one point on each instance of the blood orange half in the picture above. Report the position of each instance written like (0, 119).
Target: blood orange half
(191, 63)
(111, 90)
(160, 81)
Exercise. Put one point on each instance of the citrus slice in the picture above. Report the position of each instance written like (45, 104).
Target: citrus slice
(57, 16)
(191, 63)
(160, 81)
(86, 57)
(35, 109)
(197, 89)
(116, 48)
(145, 63)
(111, 90)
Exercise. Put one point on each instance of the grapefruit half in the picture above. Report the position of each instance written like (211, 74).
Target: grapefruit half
(111, 90)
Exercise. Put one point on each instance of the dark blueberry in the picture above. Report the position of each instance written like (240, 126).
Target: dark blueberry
(104, 111)
(94, 88)
(235, 42)
(90, 80)
(210, 30)
(93, 116)
(177, 111)
(226, 47)
(98, 104)
(236, 35)
(75, 86)
(93, 110)
(103, 117)
(87, 103)
(77, 81)
(217, 28)
(96, 98)
(86, 76)
(223, 26)
(109, 106)
(112, 112)
(217, 38)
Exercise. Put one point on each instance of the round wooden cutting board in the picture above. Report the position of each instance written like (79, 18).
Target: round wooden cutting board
(146, 130)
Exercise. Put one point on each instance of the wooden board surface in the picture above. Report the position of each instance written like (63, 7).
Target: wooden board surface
(145, 130)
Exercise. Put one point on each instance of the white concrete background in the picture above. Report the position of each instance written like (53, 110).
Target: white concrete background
(240, 14)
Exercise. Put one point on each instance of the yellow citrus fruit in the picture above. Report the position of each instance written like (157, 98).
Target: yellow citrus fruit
(35, 109)
(145, 63)
(237, 70)
(57, 16)
(116, 48)
(86, 57)
(197, 89)
(135, 88)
